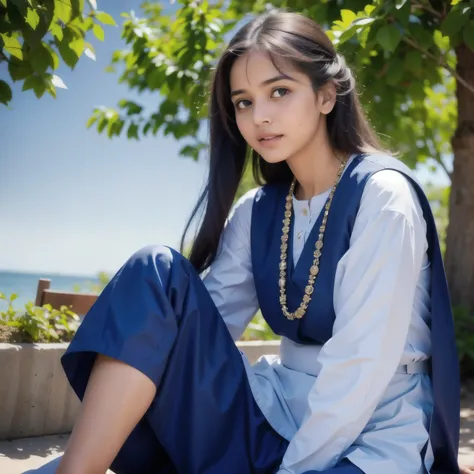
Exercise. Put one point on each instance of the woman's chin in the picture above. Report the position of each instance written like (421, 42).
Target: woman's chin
(274, 156)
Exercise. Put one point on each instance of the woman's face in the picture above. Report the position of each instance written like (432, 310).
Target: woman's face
(277, 114)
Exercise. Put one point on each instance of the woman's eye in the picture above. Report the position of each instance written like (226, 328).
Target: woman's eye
(242, 104)
(280, 92)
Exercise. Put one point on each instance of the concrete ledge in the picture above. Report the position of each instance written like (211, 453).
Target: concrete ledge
(36, 399)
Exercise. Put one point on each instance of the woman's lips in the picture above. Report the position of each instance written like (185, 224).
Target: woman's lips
(270, 140)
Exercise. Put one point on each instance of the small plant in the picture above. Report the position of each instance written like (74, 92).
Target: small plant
(258, 330)
(36, 324)
(103, 279)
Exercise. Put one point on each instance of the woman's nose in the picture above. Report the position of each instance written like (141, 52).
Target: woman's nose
(261, 115)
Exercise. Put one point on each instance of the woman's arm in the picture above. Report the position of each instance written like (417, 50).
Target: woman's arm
(373, 299)
(230, 279)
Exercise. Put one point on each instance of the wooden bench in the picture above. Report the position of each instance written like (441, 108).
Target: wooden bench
(80, 303)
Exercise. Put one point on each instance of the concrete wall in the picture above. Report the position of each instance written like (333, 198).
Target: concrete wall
(35, 397)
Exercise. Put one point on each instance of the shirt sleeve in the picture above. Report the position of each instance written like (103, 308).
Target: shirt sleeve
(229, 280)
(373, 299)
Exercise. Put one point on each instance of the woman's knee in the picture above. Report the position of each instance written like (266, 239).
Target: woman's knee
(152, 255)
(155, 266)
(155, 259)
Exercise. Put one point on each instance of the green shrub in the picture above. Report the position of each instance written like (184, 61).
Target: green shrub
(258, 330)
(36, 324)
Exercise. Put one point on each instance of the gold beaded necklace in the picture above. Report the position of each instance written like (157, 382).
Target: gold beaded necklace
(314, 269)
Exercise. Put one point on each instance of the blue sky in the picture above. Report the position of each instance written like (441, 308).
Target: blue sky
(74, 202)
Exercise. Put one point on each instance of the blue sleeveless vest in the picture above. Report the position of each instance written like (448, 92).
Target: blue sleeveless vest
(317, 325)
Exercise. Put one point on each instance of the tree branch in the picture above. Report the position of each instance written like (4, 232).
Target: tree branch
(440, 161)
(441, 63)
(429, 9)
(4, 58)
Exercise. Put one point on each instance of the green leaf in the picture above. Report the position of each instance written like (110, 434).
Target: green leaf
(441, 41)
(348, 34)
(13, 297)
(105, 18)
(454, 22)
(146, 128)
(422, 36)
(41, 59)
(3, 3)
(29, 82)
(57, 31)
(400, 4)
(348, 16)
(5, 96)
(131, 107)
(389, 37)
(101, 124)
(71, 46)
(32, 18)
(55, 58)
(414, 62)
(12, 46)
(402, 13)
(132, 131)
(190, 152)
(468, 34)
(369, 9)
(91, 121)
(117, 127)
(98, 32)
(51, 89)
(68, 55)
(395, 71)
(63, 10)
(416, 90)
(77, 45)
(37, 83)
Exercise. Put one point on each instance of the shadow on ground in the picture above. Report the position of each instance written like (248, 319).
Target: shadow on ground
(44, 446)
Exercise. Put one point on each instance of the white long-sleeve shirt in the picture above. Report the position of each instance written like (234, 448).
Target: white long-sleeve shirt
(344, 399)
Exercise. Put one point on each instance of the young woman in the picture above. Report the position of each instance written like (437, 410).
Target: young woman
(339, 251)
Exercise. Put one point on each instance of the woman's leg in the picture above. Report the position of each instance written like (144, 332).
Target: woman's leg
(168, 376)
(116, 398)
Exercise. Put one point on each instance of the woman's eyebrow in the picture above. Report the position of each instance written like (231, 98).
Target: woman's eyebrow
(265, 83)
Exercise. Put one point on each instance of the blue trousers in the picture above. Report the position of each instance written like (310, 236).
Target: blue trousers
(157, 316)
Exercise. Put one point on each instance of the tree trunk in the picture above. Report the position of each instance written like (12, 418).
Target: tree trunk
(459, 259)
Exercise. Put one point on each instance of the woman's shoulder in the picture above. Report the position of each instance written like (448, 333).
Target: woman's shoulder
(245, 202)
(241, 211)
(392, 190)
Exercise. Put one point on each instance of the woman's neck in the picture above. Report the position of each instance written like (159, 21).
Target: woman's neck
(315, 169)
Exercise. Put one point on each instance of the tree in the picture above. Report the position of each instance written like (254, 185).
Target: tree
(35, 34)
(414, 61)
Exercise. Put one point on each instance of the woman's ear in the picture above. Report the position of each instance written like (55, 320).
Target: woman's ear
(327, 97)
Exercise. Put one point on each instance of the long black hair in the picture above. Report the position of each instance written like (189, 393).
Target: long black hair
(303, 42)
